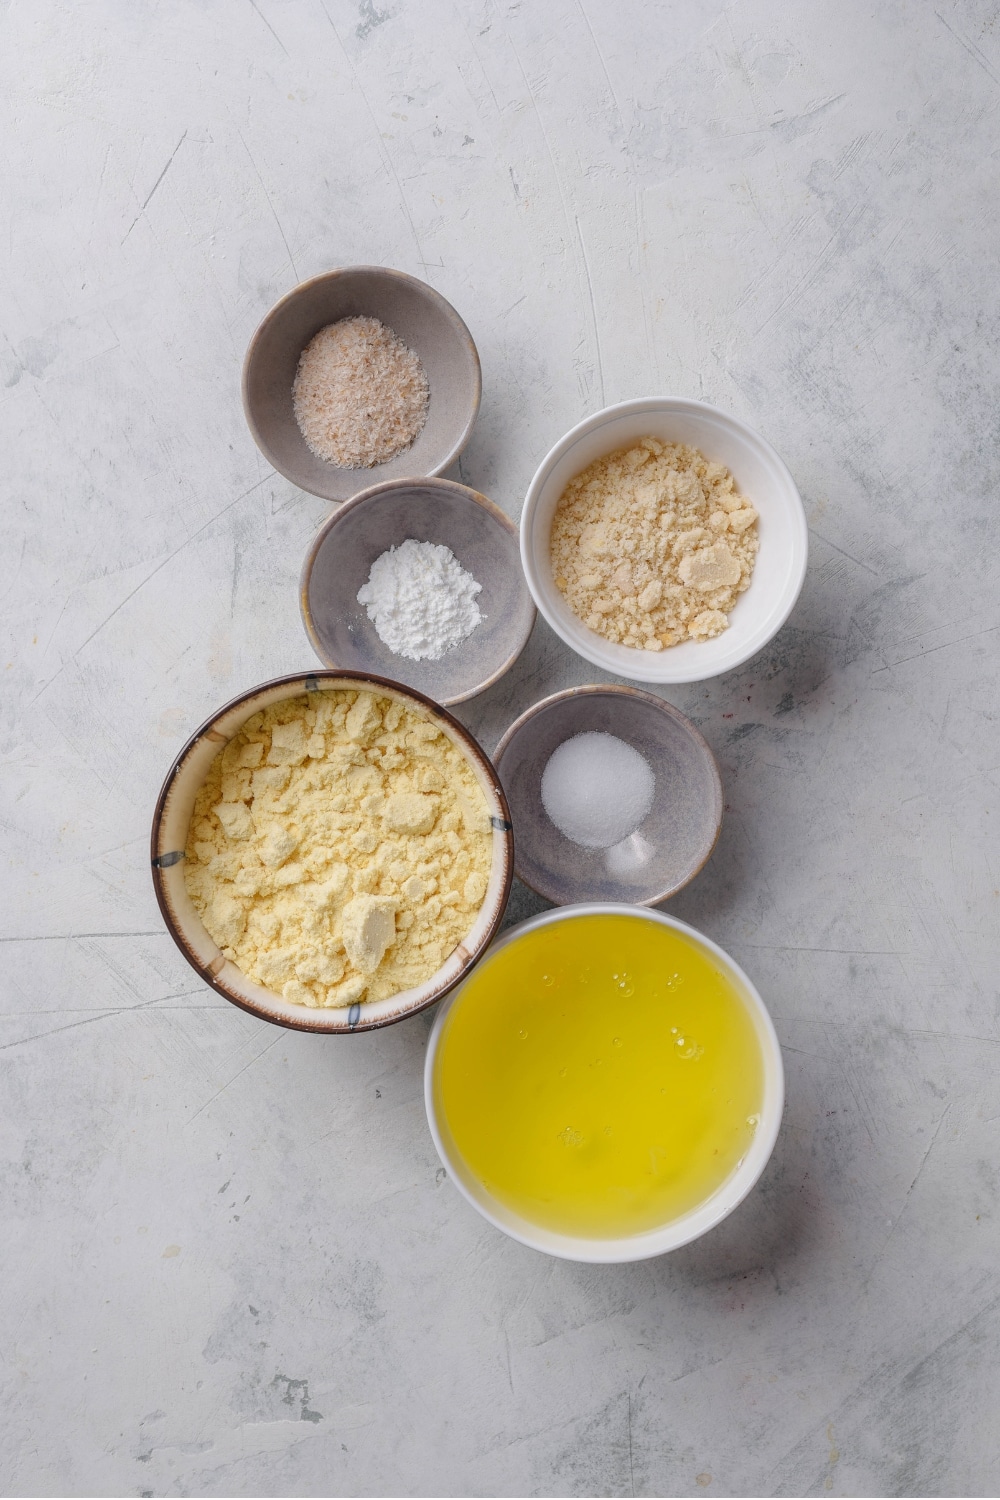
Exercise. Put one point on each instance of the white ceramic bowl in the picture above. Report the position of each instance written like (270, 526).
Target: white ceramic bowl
(760, 475)
(678, 1231)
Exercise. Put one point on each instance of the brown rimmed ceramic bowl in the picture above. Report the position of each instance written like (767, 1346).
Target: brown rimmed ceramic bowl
(483, 540)
(425, 322)
(679, 832)
(169, 836)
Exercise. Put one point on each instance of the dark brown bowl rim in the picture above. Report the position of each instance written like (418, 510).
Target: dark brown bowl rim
(444, 306)
(596, 689)
(374, 492)
(303, 681)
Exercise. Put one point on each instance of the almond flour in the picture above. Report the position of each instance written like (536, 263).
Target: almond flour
(651, 545)
(339, 848)
(360, 395)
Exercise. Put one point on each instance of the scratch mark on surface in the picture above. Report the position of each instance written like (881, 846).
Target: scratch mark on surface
(593, 309)
(970, 48)
(232, 1080)
(270, 28)
(88, 1021)
(850, 557)
(604, 66)
(69, 937)
(853, 952)
(267, 195)
(567, 218)
(159, 568)
(155, 186)
(386, 158)
(951, 1036)
(945, 645)
(902, 1210)
(814, 271)
(631, 1470)
(74, 1010)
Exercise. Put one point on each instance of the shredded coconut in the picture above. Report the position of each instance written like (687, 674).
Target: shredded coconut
(360, 395)
(421, 600)
(651, 545)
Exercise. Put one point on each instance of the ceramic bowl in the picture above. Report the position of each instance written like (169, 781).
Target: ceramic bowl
(421, 317)
(678, 1231)
(483, 540)
(679, 831)
(760, 474)
(170, 827)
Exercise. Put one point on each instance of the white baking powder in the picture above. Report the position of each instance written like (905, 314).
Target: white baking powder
(420, 600)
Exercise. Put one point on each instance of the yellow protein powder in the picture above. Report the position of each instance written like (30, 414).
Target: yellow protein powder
(339, 848)
(652, 545)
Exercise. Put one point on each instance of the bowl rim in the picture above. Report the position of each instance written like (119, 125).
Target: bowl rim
(375, 492)
(443, 306)
(297, 683)
(595, 655)
(680, 1231)
(596, 689)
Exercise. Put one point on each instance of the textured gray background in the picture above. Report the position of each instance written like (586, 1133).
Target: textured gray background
(231, 1265)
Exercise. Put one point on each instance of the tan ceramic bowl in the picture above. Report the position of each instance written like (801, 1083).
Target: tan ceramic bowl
(421, 317)
(483, 540)
(678, 833)
(169, 836)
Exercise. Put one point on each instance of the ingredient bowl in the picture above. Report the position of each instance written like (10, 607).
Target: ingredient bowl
(570, 1110)
(483, 541)
(171, 821)
(414, 311)
(760, 475)
(675, 838)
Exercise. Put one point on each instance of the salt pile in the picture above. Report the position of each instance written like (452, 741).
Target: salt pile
(597, 789)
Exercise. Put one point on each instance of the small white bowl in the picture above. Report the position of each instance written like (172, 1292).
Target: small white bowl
(677, 1232)
(760, 474)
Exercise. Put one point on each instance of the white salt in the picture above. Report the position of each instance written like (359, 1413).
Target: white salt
(597, 789)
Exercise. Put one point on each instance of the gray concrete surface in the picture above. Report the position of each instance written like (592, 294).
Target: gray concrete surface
(231, 1265)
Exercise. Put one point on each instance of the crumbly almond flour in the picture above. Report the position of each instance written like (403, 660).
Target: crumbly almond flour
(360, 394)
(339, 848)
(651, 545)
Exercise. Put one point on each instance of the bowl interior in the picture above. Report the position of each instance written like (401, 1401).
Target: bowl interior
(679, 1231)
(679, 832)
(170, 829)
(759, 473)
(482, 539)
(422, 319)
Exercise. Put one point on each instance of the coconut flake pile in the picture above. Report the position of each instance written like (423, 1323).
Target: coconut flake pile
(360, 395)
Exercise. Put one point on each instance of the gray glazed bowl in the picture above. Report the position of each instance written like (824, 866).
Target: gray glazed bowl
(422, 319)
(483, 540)
(169, 837)
(679, 832)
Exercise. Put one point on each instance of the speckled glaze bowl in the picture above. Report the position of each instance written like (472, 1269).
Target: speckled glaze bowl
(421, 317)
(760, 473)
(483, 540)
(679, 1231)
(169, 836)
(679, 831)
